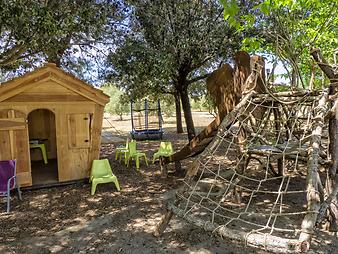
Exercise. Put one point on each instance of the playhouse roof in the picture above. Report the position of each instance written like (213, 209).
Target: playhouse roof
(49, 72)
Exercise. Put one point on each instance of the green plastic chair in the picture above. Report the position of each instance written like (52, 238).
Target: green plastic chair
(135, 154)
(43, 151)
(101, 173)
(166, 149)
(122, 151)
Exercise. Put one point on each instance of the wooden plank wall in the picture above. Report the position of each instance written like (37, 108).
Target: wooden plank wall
(14, 142)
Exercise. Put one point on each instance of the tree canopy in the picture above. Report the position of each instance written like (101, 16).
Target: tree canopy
(163, 47)
(58, 31)
(289, 29)
(170, 45)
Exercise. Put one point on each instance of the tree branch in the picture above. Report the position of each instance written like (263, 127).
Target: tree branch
(324, 66)
(198, 65)
(11, 55)
(198, 78)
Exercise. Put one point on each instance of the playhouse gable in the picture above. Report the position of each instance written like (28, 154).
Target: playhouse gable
(50, 84)
(46, 91)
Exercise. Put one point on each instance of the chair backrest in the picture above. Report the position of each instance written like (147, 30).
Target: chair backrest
(132, 147)
(127, 143)
(166, 146)
(101, 168)
(7, 170)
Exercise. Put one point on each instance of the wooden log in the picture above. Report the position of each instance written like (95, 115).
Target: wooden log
(207, 132)
(264, 241)
(325, 205)
(313, 199)
(332, 174)
(163, 223)
(187, 150)
(330, 72)
(164, 167)
(286, 94)
(324, 66)
(228, 119)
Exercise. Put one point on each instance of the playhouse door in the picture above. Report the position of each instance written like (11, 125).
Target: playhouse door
(14, 143)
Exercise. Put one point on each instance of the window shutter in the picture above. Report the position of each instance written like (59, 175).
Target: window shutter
(79, 130)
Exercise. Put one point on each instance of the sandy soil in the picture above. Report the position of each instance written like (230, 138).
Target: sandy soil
(68, 219)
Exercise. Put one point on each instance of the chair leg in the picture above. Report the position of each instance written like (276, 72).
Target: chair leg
(8, 201)
(117, 185)
(19, 193)
(93, 188)
(137, 161)
(44, 154)
(125, 158)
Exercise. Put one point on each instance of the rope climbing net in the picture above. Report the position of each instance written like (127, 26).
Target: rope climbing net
(255, 181)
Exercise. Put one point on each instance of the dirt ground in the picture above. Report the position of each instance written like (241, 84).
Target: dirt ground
(68, 219)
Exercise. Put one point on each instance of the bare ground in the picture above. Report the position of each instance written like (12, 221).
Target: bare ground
(68, 219)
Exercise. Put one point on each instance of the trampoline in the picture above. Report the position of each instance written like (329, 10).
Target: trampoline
(146, 122)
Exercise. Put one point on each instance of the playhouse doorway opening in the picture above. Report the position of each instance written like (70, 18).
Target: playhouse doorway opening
(43, 149)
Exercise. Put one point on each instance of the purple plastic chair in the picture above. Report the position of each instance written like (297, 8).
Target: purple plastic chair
(8, 180)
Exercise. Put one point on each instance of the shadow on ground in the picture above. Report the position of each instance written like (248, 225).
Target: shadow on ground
(69, 220)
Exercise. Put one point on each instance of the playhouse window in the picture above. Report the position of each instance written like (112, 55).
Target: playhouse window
(79, 130)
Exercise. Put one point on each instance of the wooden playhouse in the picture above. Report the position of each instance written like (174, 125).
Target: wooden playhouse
(51, 108)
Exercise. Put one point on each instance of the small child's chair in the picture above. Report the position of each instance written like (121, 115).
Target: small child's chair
(166, 149)
(101, 173)
(8, 180)
(123, 150)
(135, 154)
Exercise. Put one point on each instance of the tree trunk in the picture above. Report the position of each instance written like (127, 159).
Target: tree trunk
(179, 126)
(313, 77)
(294, 79)
(187, 112)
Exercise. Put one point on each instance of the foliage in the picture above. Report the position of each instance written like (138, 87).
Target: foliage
(169, 37)
(170, 45)
(167, 105)
(117, 105)
(65, 32)
(289, 29)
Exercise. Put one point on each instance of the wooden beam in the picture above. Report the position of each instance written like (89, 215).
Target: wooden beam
(268, 242)
(313, 198)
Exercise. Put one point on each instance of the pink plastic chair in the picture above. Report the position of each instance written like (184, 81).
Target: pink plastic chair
(8, 180)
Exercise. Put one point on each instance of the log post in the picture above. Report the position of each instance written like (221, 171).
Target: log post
(164, 167)
(163, 223)
(326, 204)
(313, 198)
(270, 243)
(329, 71)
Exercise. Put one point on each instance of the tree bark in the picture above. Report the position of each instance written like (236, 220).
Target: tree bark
(313, 198)
(187, 112)
(328, 70)
(270, 243)
(179, 126)
(313, 77)
(294, 79)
